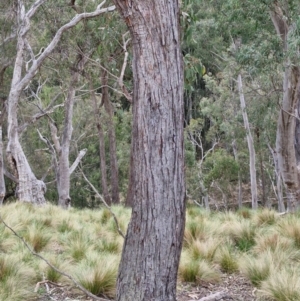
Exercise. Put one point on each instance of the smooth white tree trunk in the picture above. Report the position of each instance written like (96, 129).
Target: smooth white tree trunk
(254, 195)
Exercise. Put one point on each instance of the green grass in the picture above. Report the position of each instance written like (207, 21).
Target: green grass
(262, 245)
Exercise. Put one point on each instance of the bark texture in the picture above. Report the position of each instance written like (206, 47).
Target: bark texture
(286, 125)
(150, 257)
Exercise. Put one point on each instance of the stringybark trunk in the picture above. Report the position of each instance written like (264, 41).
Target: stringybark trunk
(254, 195)
(152, 247)
(114, 171)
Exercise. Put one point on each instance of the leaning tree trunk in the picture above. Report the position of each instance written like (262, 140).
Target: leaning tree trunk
(150, 257)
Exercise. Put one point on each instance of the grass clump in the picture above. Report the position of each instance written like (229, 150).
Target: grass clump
(99, 278)
(265, 217)
(203, 249)
(282, 285)
(196, 271)
(37, 237)
(256, 269)
(242, 233)
(227, 260)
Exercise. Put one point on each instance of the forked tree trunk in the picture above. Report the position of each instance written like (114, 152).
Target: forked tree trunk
(152, 247)
(114, 171)
(63, 180)
(250, 143)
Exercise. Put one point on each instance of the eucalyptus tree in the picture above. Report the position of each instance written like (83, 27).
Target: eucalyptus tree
(30, 189)
(285, 17)
(150, 257)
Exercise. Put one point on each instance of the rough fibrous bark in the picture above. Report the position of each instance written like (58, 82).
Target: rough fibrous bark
(150, 257)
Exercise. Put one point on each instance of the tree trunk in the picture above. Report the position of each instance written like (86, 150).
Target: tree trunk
(114, 171)
(250, 146)
(286, 125)
(285, 136)
(2, 182)
(152, 247)
(103, 166)
(29, 189)
(63, 181)
(240, 190)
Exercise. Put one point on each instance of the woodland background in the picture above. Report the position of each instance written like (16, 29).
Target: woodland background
(224, 43)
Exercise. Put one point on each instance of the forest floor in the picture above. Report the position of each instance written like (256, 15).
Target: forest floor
(231, 287)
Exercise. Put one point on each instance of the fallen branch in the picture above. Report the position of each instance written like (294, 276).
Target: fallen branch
(215, 297)
(77, 284)
(106, 205)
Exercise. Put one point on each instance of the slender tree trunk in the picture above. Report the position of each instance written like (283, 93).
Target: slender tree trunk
(240, 190)
(114, 170)
(152, 247)
(250, 146)
(2, 182)
(103, 166)
(63, 181)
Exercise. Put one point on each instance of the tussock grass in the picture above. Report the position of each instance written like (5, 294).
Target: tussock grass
(262, 245)
(282, 285)
(242, 233)
(203, 249)
(99, 276)
(196, 271)
(256, 269)
(227, 259)
(290, 227)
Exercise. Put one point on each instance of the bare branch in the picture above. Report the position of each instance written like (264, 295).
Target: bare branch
(77, 161)
(34, 8)
(37, 116)
(215, 297)
(37, 63)
(77, 284)
(106, 205)
(10, 176)
(120, 81)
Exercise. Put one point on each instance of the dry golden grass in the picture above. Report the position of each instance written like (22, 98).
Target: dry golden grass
(86, 244)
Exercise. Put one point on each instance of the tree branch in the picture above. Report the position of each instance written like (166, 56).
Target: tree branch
(106, 205)
(37, 63)
(77, 161)
(77, 284)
